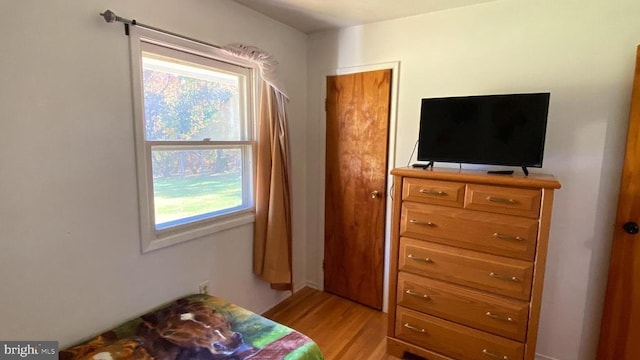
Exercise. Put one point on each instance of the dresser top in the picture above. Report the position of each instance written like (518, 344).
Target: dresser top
(480, 177)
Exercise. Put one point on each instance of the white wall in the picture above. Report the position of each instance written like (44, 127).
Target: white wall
(583, 52)
(70, 261)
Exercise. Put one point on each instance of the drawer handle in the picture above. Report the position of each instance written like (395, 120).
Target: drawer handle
(501, 200)
(494, 355)
(503, 277)
(411, 327)
(498, 317)
(423, 223)
(416, 258)
(413, 293)
(433, 192)
(507, 237)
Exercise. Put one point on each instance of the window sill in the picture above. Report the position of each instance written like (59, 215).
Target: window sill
(155, 240)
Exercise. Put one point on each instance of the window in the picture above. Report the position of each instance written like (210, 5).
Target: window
(194, 124)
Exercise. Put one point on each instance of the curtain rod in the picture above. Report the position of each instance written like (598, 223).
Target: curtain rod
(109, 16)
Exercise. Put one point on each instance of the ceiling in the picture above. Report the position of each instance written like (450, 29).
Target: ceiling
(315, 15)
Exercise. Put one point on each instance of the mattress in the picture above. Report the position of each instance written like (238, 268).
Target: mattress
(198, 327)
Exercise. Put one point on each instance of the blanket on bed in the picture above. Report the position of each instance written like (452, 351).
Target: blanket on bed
(199, 327)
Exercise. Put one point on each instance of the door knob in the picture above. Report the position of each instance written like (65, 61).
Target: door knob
(374, 194)
(631, 227)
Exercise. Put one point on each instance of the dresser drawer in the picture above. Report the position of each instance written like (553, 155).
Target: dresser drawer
(453, 340)
(491, 233)
(503, 200)
(499, 275)
(433, 192)
(480, 310)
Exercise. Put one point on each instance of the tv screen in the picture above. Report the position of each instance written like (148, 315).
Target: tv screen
(488, 129)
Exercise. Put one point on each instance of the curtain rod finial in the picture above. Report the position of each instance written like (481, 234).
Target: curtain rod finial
(109, 16)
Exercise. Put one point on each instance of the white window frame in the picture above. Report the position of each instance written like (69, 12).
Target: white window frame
(151, 238)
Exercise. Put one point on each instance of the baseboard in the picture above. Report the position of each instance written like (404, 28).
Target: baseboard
(296, 288)
(311, 284)
(544, 357)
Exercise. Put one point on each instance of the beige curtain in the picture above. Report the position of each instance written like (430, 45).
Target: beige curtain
(272, 242)
(272, 259)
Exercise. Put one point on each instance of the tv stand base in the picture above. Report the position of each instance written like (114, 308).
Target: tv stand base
(508, 172)
(500, 172)
(424, 166)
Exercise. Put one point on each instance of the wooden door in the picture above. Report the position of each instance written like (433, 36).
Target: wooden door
(620, 330)
(357, 109)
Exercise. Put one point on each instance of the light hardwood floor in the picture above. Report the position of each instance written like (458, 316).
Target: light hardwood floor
(342, 329)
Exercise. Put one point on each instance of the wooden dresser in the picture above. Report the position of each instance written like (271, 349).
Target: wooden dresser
(468, 252)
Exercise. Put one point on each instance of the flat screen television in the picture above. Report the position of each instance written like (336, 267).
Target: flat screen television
(506, 129)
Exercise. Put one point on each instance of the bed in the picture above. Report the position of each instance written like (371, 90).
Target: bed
(200, 327)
